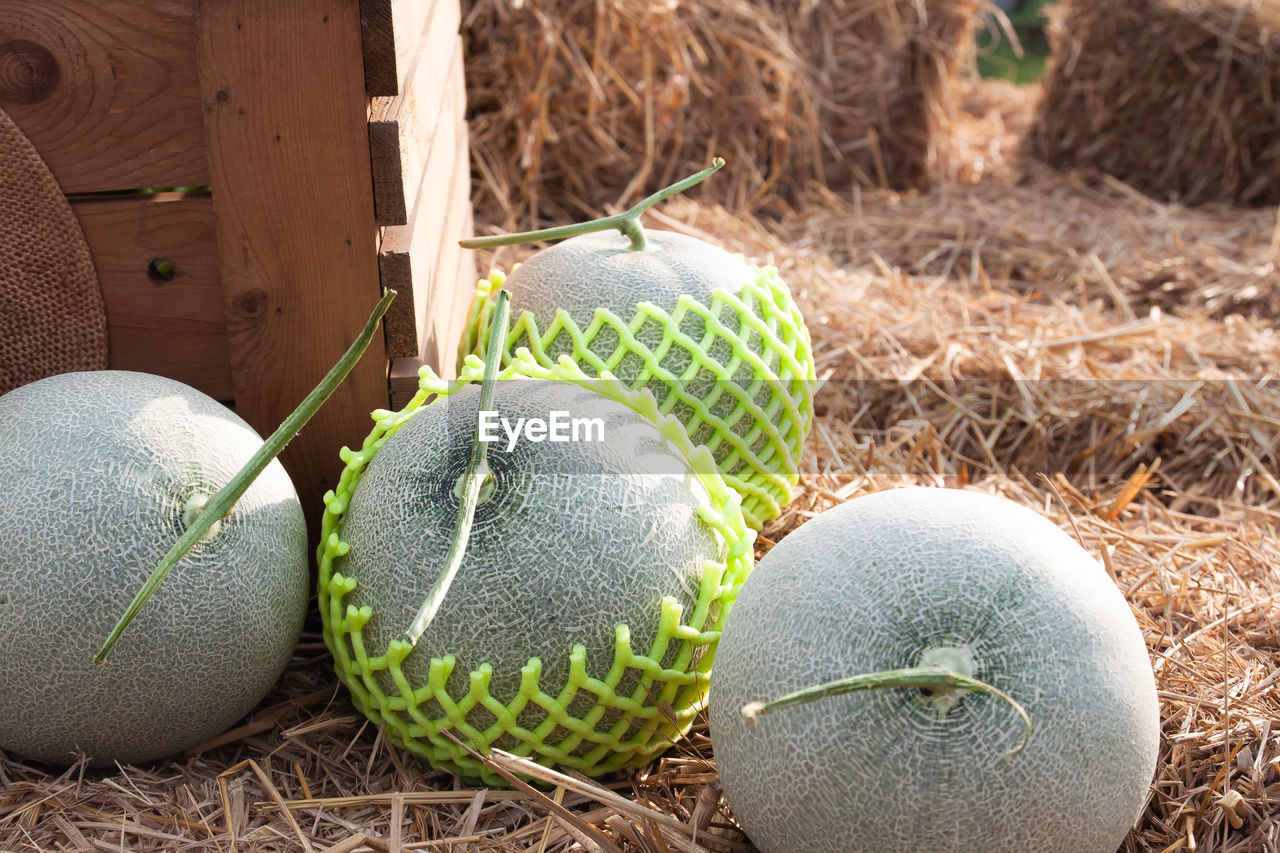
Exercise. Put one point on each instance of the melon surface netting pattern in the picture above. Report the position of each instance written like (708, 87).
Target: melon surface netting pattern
(735, 368)
(580, 629)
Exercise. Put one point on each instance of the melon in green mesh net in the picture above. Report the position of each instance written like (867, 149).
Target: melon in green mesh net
(720, 344)
(581, 625)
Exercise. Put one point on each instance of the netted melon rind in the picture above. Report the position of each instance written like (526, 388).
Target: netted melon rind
(100, 470)
(643, 720)
(758, 443)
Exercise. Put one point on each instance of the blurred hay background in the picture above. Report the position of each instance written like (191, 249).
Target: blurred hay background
(625, 94)
(1060, 338)
(1175, 97)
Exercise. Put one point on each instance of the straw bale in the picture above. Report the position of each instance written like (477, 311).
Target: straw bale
(1175, 97)
(960, 344)
(985, 135)
(1072, 378)
(578, 104)
(882, 72)
(1008, 218)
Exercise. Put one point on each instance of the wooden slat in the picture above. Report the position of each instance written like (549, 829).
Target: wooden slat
(107, 91)
(452, 287)
(407, 257)
(442, 348)
(455, 281)
(403, 381)
(175, 327)
(404, 371)
(289, 163)
(396, 273)
(402, 128)
(390, 32)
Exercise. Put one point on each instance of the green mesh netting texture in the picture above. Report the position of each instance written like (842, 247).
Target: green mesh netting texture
(737, 373)
(616, 706)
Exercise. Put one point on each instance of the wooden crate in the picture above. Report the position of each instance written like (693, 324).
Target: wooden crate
(330, 146)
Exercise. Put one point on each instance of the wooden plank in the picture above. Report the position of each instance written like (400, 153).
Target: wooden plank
(403, 381)
(390, 31)
(402, 128)
(283, 83)
(378, 42)
(161, 319)
(443, 360)
(403, 372)
(107, 91)
(455, 280)
(453, 284)
(457, 284)
(395, 271)
(407, 256)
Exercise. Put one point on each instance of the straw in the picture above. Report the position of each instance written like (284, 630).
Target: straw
(1174, 97)
(1008, 323)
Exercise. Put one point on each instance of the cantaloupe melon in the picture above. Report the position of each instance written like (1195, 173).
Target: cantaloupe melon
(102, 471)
(883, 582)
(582, 620)
(720, 344)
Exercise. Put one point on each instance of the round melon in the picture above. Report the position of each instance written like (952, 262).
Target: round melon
(102, 471)
(581, 623)
(894, 580)
(720, 344)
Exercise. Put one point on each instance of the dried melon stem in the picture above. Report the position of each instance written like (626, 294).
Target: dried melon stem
(469, 484)
(191, 509)
(943, 671)
(628, 222)
(949, 658)
(225, 498)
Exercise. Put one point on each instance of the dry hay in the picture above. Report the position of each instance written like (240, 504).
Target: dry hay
(1157, 434)
(622, 96)
(1175, 97)
(984, 138)
(1052, 236)
(1047, 235)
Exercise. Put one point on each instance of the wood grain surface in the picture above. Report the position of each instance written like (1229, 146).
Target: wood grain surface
(108, 93)
(293, 203)
(157, 264)
(402, 129)
(391, 31)
(409, 254)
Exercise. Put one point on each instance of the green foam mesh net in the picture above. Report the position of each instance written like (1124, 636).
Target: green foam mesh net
(738, 373)
(595, 722)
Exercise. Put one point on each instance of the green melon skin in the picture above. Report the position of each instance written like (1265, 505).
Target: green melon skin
(870, 585)
(720, 344)
(555, 553)
(589, 596)
(603, 270)
(97, 469)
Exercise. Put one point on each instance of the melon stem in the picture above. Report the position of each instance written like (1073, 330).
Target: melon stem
(628, 222)
(225, 498)
(927, 676)
(191, 510)
(470, 483)
(957, 659)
